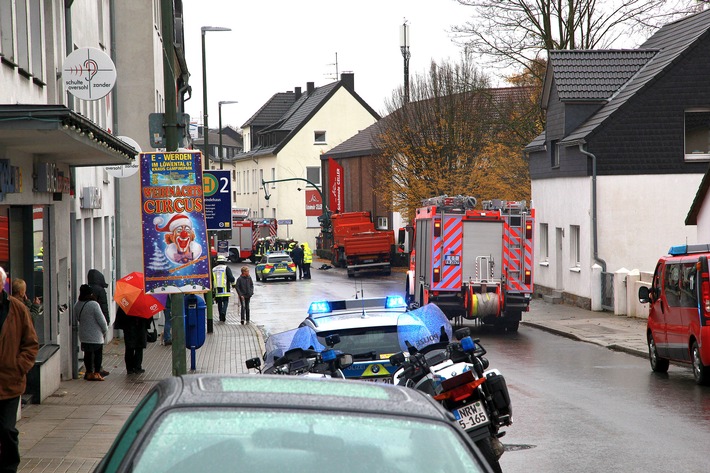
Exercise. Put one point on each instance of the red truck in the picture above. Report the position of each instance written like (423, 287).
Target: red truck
(358, 246)
(247, 236)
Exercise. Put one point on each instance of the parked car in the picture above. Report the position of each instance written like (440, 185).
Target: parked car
(368, 330)
(276, 265)
(678, 327)
(273, 424)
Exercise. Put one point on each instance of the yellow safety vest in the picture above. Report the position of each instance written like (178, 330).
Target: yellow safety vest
(219, 274)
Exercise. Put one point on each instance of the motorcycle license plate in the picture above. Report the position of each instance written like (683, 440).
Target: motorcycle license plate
(471, 416)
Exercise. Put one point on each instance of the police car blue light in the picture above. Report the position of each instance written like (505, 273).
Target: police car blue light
(320, 307)
(394, 302)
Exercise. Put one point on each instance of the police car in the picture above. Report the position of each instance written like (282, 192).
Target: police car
(367, 330)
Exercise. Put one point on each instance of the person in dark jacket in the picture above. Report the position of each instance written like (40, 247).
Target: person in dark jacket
(135, 337)
(245, 289)
(96, 280)
(297, 257)
(18, 350)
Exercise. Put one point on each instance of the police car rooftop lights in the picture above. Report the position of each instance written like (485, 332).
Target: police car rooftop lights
(326, 307)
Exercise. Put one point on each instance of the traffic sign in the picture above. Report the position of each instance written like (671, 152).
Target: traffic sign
(218, 199)
(285, 222)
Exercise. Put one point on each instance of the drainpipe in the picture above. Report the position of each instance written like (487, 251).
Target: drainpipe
(595, 245)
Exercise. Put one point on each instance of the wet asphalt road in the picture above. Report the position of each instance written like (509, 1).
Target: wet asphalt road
(577, 407)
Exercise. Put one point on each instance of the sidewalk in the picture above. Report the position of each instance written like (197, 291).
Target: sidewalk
(74, 427)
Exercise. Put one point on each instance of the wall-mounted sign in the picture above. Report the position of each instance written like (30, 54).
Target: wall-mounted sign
(126, 169)
(314, 204)
(88, 74)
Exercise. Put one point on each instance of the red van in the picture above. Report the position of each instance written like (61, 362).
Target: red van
(679, 316)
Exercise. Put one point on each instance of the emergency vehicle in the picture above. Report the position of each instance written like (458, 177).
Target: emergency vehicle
(477, 264)
(248, 235)
(678, 327)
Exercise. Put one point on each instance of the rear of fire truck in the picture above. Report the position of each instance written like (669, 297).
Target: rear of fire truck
(475, 264)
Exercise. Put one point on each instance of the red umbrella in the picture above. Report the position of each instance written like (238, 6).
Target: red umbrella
(132, 298)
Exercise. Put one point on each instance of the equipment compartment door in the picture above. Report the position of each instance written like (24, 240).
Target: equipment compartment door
(484, 239)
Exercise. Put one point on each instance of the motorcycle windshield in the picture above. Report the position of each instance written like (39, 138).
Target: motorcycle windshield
(279, 343)
(422, 327)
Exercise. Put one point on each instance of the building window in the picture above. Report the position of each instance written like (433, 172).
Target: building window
(7, 35)
(273, 178)
(574, 246)
(697, 135)
(319, 137)
(36, 41)
(255, 185)
(313, 175)
(382, 223)
(23, 37)
(273, 212)
(554, 154)
(544, 248)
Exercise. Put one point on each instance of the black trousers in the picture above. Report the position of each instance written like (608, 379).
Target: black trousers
(222, 304)
(93, 357)
(306, 270)
(133, 358)
(9, 436)
(245, 308)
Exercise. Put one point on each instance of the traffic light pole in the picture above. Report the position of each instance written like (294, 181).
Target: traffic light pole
(325, 219)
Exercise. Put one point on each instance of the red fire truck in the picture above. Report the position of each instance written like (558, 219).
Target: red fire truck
(248, 237)
(477, 264)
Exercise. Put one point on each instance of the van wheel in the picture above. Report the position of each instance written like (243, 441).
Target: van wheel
(700, 371)
(658, 364)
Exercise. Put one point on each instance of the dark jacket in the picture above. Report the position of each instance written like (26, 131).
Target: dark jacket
(96, 280)
(297, 255)
(135, 329)
(18, 346)
(245, 286)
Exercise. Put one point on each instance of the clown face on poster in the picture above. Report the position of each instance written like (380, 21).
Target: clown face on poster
(175, 252)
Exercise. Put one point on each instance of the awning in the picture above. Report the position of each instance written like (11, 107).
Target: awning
(60, 135)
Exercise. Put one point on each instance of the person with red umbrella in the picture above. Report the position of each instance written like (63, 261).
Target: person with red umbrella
(134, 313)
(135, 338)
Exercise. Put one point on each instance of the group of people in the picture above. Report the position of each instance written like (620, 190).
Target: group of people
(302, 256)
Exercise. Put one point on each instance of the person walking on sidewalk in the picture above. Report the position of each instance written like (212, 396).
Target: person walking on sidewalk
(92, 330)
(135, 337)
(18, 351)
(97, 281)
(222, 279)
(307, 260)
(297, 257)
(245, 289)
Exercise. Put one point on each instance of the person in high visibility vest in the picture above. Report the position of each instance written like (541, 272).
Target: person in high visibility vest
(222, 279)
(307, 260)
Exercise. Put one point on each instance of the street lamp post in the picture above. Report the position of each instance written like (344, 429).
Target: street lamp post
(404, 47)
(222, 102)
(205, 125)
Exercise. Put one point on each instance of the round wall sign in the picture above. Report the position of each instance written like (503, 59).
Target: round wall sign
(126, 169)
(89, 74)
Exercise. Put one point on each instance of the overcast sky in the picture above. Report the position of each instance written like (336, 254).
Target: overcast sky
(277, 45)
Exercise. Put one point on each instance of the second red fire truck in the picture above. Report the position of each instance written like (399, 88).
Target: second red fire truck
(476, 264)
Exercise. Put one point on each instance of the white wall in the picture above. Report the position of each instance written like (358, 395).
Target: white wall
(561, 203)
(641, 217)
(703, 227)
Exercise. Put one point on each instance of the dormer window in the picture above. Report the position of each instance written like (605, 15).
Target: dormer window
(319, 137)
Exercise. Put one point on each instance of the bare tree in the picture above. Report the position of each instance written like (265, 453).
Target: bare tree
(514, 33)
(445, 141)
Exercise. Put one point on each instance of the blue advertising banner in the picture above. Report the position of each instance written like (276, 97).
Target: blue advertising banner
(218, 199)
(175, 248)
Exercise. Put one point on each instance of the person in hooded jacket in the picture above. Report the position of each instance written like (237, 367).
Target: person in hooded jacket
(92, 330)
(96, 280)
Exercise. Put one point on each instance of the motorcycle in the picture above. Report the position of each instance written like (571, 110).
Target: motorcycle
(298, 352)
(456, 374)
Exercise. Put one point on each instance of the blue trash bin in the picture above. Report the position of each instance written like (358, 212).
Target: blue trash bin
(195, 324)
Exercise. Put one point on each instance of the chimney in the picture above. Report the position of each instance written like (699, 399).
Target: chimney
(297, 90)
(348, 80)
(310, 87)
